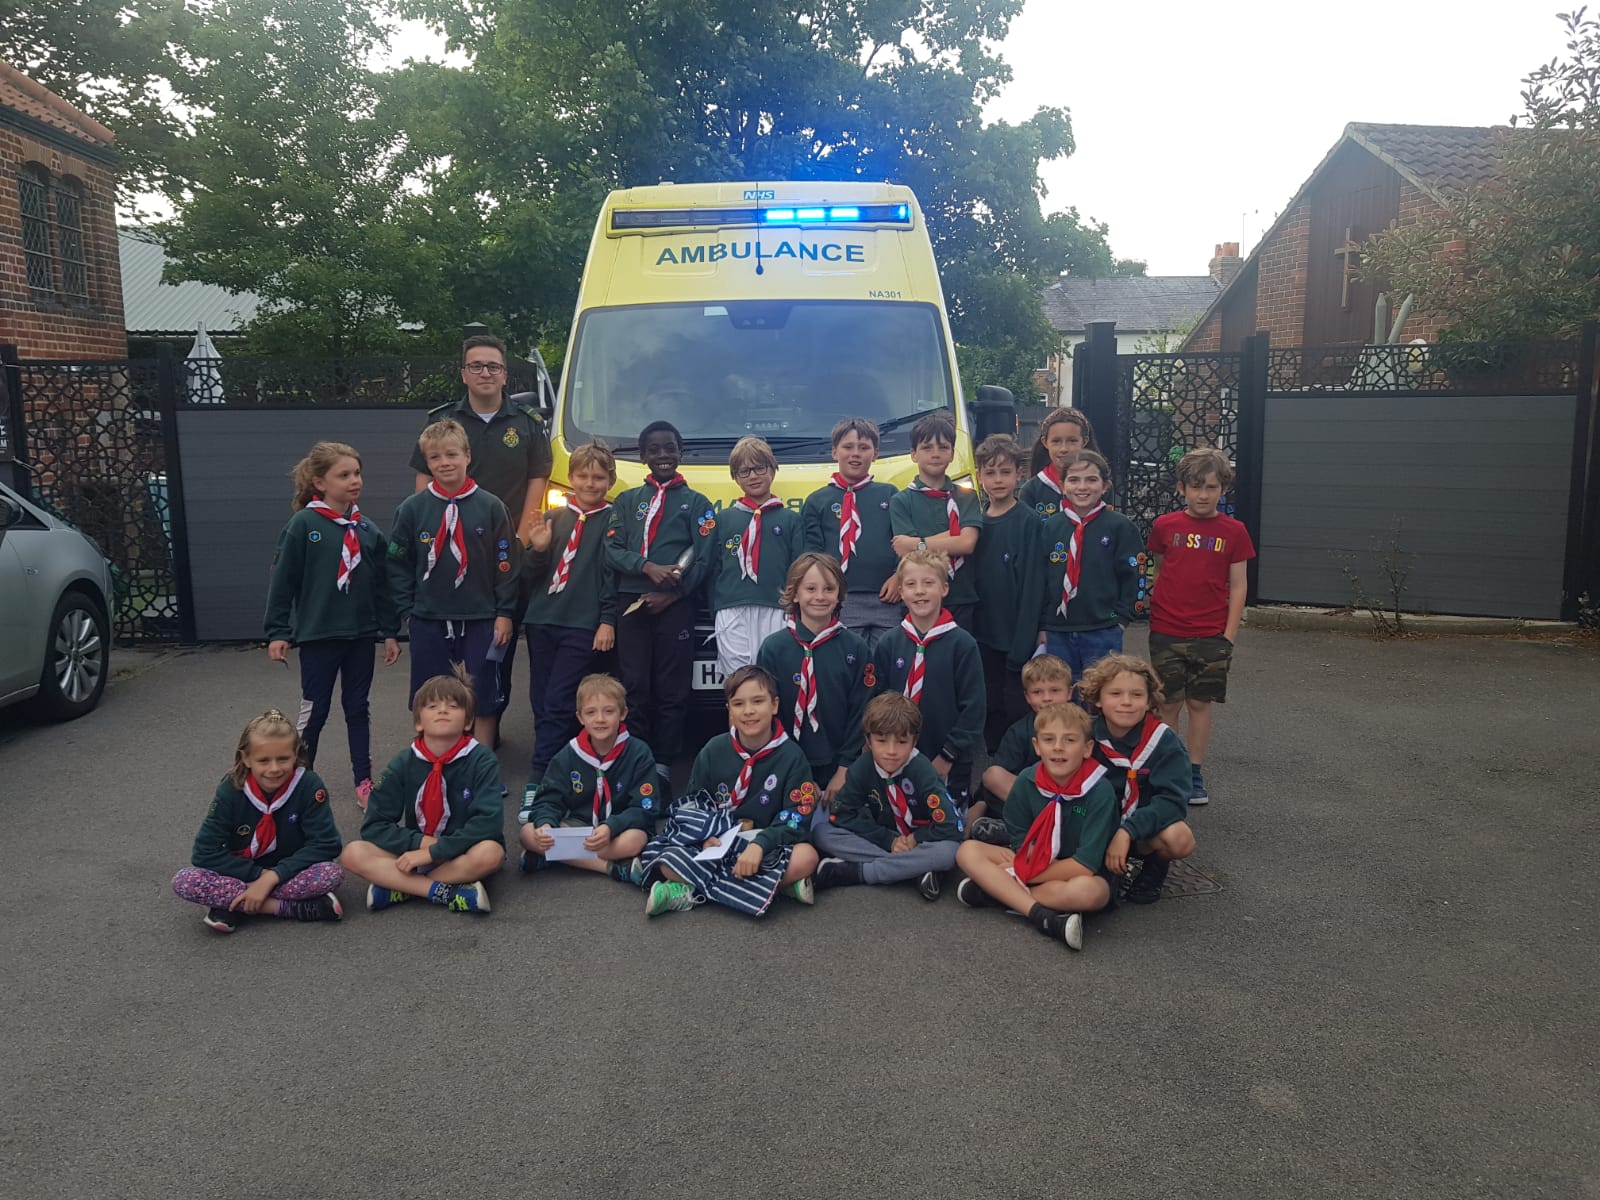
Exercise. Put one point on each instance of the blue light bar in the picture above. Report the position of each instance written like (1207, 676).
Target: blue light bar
(778, 214)
(810, 214)
(844, 214)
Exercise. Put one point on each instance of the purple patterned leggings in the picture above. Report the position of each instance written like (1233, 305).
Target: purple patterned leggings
(200, 886)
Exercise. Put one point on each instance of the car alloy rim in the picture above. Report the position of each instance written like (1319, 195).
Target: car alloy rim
(79, 656)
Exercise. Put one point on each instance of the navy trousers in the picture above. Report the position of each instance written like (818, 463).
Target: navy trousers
(350, 661)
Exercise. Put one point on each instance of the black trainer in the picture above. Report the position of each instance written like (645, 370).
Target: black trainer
(1146, 888)
(318, 908)
(221, 919)
(991, 830)
(835, 872)
(973, 896)
(1065, 927)
(929, 886)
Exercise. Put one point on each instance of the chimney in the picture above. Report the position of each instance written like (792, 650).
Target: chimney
(1225, 263)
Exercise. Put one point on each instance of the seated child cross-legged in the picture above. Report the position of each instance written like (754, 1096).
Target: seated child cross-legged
(603, 780)
(433, 825)
(268, 845)
(1061, 815)
(751, 778)
(1046, 680)
(892, 821)
(1149, 771)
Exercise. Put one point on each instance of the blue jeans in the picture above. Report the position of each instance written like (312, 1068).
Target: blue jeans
(350, 661)
(1083, 648)
(558, 658)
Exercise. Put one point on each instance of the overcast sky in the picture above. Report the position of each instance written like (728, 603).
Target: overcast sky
(1197, 122)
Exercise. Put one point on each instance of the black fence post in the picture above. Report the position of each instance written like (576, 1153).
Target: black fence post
(168, 367)
(1100, 390)
(1080, 377)
(13, 436)
(1580, 575)
(1251, 436)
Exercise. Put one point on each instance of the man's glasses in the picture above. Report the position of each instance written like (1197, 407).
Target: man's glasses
(484, 368)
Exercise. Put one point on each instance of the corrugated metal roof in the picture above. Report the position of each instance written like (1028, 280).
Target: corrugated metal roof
(1137, 303)
(152, 307)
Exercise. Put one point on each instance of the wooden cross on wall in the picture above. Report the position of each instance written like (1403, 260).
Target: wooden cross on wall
(1350, 250)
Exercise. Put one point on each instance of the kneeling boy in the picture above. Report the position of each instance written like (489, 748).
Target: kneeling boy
(892, 820)
(1149, 770)
(1061, 815)
(433, 824)
(602, 779)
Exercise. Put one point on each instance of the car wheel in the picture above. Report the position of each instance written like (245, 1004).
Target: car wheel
(76, 658)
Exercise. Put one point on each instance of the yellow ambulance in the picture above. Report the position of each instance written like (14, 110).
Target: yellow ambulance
(766, 309)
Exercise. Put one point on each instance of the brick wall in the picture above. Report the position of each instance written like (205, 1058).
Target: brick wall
(49, 326)
(1281, 292)
(1414, 206)
(1208, 337)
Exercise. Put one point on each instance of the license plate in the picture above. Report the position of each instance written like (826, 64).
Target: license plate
(706, 676)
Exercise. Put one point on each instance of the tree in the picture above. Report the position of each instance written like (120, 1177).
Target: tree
(1517, 258)
(567, 99)
(1130, 266)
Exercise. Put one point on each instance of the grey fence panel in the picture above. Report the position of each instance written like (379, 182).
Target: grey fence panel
(1477, 486)
(236, 465)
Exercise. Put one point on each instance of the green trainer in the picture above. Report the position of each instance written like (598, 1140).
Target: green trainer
(468, 898)
(802, 890)
(380, 898)
(668, 896)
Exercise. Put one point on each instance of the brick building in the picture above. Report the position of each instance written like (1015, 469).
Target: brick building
(60, 281)
(1301, 283)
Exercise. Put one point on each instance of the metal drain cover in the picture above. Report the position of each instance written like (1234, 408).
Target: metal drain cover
(1183, 879)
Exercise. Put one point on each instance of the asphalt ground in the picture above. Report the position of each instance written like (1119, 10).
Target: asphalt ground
(1393, 994)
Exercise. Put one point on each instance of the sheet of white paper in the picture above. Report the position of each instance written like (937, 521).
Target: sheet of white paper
(569, 843)
(729, 841)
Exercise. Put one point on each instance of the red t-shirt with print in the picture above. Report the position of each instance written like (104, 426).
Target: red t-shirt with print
(1191, 594)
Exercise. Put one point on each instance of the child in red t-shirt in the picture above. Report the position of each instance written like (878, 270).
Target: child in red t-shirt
(1198, 599)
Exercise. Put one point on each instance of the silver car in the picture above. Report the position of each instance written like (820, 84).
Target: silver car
(55, 596)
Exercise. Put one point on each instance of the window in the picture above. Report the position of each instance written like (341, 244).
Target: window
(69, 240)
(33, 193)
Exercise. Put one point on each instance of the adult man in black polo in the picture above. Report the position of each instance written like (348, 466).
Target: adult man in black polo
(510, 452)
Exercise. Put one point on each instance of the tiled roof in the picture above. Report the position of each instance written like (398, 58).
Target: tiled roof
(1437, 158)
(152, 307)
(23, 95)
(1137, 303)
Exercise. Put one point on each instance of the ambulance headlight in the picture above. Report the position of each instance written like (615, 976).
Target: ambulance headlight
(554, 497)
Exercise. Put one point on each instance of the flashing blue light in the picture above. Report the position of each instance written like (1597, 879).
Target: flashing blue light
(903, 212)
(780, 214)
(844, 214)
(811, 214)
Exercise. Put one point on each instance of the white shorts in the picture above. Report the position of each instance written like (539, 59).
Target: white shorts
(740, 632)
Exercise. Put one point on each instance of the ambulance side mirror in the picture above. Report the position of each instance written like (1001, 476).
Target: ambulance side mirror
(994, 411)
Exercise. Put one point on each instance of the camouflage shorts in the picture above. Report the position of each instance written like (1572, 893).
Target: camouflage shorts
(1192, 668)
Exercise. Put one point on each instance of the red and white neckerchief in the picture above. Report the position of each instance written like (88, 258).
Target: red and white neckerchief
(1069, 580)
(584, 749)
(450, 528)
(350, 551)
(1042, 845)
(1051, 478)
(942, 626)
(748, 760)
(904, 822)
(1150, 735)
(433, 805)
(849, 517)
(750, 539)
(652, 516)
(264, 839)
(558, 582)
(952, 510)
(805, 701)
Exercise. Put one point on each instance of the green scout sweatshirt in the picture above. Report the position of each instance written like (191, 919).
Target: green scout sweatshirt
(915, 514)
(840, 667)
(1108, 585)
(568, 787)
(471, 788)
(952, 703)
(306, 832)
(1009, 568)
(304, 600)
(781, 796)
(862, 804)
(873, 559)
(1016, 747)
(490, 588)
(780, 543)
(1086, 831)
(687, 520)
(590, 598)
(1165, 781)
